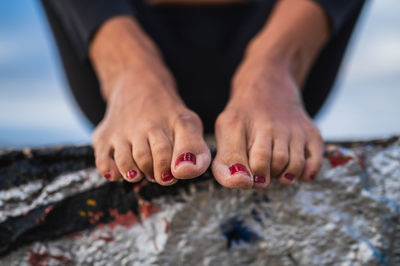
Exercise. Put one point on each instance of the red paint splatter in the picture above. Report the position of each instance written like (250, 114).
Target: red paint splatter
(41, 259)
(48, 209)
(74, 235)
(100, 226)
(37, 259)
(127, 219)
(146, 209)
(106, 238)
(96, 217)
(361, 161)
(138, 187)
(166, 228)
(46, 212)
(337, 158)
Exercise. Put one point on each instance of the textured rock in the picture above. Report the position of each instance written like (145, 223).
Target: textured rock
(55, 209)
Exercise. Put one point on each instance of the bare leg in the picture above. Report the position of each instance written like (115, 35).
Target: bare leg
(264, 131)
(147, 129)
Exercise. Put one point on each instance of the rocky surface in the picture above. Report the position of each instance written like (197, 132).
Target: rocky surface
(56, 210)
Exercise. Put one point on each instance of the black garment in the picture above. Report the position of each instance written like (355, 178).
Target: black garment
(202, 46)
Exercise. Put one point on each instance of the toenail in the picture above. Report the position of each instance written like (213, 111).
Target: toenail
(186, 157)
(167, 176)
(312, 176)
(289, 176)
(259, 179)
(107, 176)
(131, 174)
(237, 167)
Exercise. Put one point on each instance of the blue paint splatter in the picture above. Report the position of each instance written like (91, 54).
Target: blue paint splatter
(236, 233)
(256, 216)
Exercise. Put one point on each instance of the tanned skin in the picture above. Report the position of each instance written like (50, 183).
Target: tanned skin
(263, 132)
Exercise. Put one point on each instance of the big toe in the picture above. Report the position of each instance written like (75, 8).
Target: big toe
(234, 175)
(230, 166)
(191, 156)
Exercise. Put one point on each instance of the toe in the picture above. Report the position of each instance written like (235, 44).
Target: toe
(191, 156)
(260, 160)
(295, 166)
(314, 154)
(105, 163)
(230, 166)
(280, 155)
(141, 154)
(161, 150)
(125, 163)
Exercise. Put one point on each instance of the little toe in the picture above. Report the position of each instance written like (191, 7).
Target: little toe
(260, 161)
(125, 163)
(191, 154)
(105, 163)
(230, 166)
(161, 150)
(295, 166)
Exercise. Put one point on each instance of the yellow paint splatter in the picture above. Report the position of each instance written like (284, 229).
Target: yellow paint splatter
(82, 213)
(91, 202)
(89, 213)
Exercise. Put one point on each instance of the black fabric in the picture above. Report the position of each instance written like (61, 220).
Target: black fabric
(323, 74)
(81, 18)
(203, 47)
(339, 11)
(81, 77)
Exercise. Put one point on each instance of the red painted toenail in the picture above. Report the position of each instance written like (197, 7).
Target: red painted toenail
(131, 174)
(186, 157)
(289, 176)
(107, 176)
(259, 179)
(237, 167)
(312, 176)
(167, 176)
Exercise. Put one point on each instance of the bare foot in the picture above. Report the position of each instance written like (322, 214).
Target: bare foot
(264, 132)
(147, 130)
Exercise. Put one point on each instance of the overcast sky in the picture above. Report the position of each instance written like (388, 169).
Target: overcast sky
(36, 108)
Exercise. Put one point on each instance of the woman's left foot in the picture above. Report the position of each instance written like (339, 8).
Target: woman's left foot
(264, 131)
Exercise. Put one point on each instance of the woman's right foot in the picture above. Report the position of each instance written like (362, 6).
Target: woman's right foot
(147, 130)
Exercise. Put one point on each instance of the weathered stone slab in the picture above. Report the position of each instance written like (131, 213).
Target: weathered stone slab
(55, 209)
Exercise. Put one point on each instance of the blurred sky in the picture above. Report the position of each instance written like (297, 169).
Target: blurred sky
(36, 107)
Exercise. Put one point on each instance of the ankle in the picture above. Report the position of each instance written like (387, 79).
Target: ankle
(120, 48)
(264, 78)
